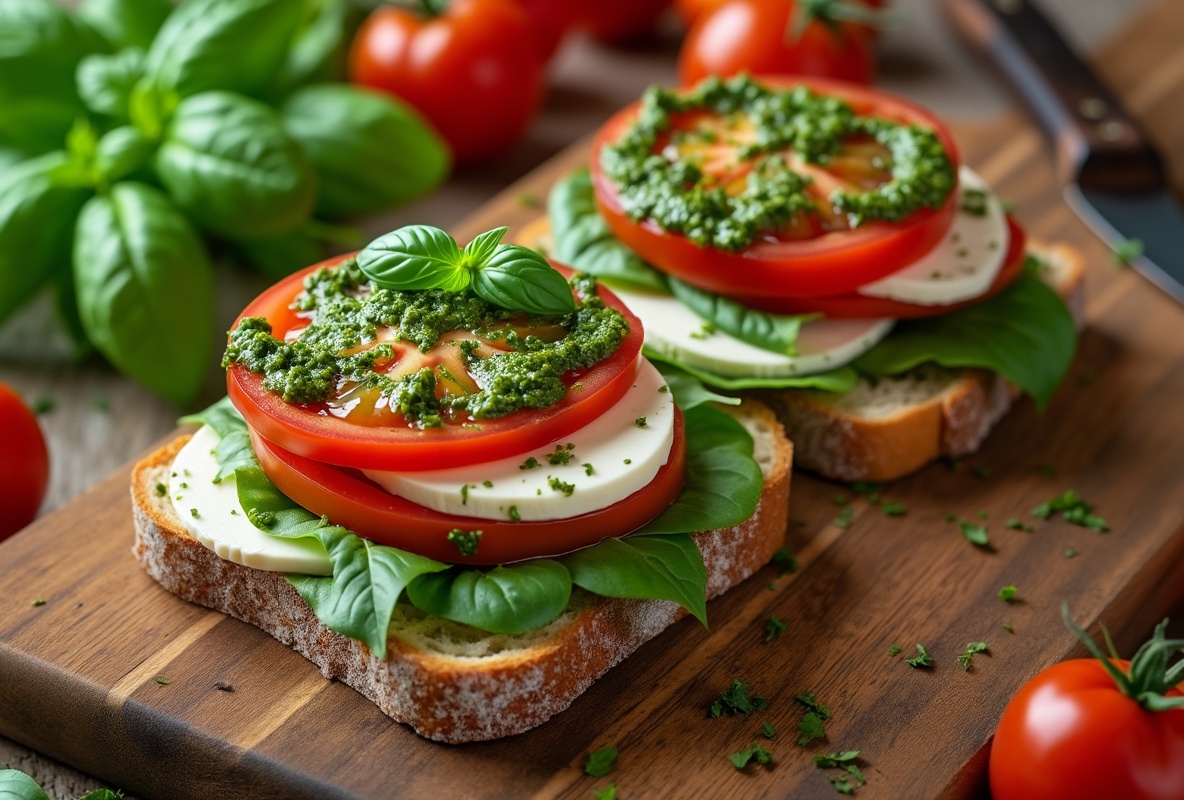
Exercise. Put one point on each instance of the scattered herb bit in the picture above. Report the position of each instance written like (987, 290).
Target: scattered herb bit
(513, 513)
(869, 490)
(161, 680)
(528, 199)
(948, 517)
(974, 202)
(736, 700)
(639, 422)
(1074, 509)
(560, 456)
(843, 520)
(560, 486)
(895, 650)
(529, 463)
(920, 661)
(600, 762)
(810, 728)
(194, 513)
(43, 405)
(743, 758)
(892, 509)
(768, 731)
(832, 760)
(842, 784)
(784, 561)
(664, 388)
(38, 601)
(807, 699)
(607, 793)
(1070, 553)
(464, 494)
(223, 687)
(975, 534)
(1126, 251)
(1008, 593)
(1017, 525)
(982, 514)
(161, 490)
(628, 461)
(1008, 627)
(589, 469)
(774, 627)
(966, 656)
(840, 499)
(981, 472)
(261, 519)
(487, 484)
(465, 541)
(705, 330)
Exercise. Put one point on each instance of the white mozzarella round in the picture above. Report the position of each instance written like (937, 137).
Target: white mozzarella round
(678, 333)
(212, 515)
(608, 460)
(963, 265)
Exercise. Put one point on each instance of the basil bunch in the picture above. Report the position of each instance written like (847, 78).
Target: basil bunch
(136, 135)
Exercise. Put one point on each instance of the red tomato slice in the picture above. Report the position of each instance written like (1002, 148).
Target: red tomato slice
(818, 262)
(854, 305)
(348, 499)
(311, 431)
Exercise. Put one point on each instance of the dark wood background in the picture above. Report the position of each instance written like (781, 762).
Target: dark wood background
(79, 671)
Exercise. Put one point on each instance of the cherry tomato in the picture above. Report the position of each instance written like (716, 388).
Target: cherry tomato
(617, 20)
(349, 500)
(475, 70)
(1070, 733)
(815, 256)
(24, 463)
(761, 37)
(355, 432)
(550, 21)
(855, 305)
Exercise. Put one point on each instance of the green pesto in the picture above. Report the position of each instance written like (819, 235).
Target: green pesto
(309, 369)
(676, 196)
(465, 541)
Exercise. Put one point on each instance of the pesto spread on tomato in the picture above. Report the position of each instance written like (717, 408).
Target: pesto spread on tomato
(430, 357)
(732, 160)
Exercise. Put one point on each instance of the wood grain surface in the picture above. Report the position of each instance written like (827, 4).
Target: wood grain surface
(80, 671)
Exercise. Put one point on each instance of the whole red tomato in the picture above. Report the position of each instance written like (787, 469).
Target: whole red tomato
(617, 20)
(1075, 731)
(766, 37)
(691, 10)
(550, 20)
(24, 463)
(474, 70)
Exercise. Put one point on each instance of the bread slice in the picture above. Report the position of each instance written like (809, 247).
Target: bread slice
(449, 681)
(886, 429)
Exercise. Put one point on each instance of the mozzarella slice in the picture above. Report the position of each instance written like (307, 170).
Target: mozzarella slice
(211, 513)
(963, 265)
(678, 333)
(606, 461)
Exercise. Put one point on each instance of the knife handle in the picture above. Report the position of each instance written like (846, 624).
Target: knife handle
(1098, 145)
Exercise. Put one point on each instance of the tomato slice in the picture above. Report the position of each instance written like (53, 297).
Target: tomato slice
(853, 305)
(823, 258)
(314, 431)
(349, 499)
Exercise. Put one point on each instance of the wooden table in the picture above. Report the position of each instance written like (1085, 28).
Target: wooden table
(828, 601)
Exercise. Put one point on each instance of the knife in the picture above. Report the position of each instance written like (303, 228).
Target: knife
(1114, 179)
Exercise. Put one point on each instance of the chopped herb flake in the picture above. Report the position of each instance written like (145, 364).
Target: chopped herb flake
(1008, 627)
(38, 601)
(966, 656)
(892, 509)
(487, 484)
(807, 699)
(465, 541)
(628, 461)
(639, 422)
(529, 463)
(736, 700)
(161, 680)
(843, 520)
(193, 512)
(894, 650)
(758, 753)
(607, 793)
(1074, 509)
(1126, 251)
(1017, 525)
(1008, 593)
(774, 627)
(975, 534)
(464, 494)
(1070, 553)
(974, 202)
(920, 661)
(589, 469)
(161, 490)
(810, 728)
(43, 405)
(600, 762)
(768, 731)
(784, 561)
(560, 456)
(560, 486)
(513, 513)
(832, 760)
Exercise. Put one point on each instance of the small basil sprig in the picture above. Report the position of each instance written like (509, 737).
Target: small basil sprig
(507, 275)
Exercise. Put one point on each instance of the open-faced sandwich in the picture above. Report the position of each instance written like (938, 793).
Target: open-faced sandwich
(449, 478)
(823, 244)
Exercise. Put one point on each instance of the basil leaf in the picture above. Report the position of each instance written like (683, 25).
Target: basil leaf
(228, 164)
(513, 598)
(317, 49)
(479, 251)
(723, 481)
(357, 600)
(234, 442)
(414, 257)
(222, 416)
(370, 151)
(105, 83)
(230, 45)
(121, 152)
(777, 333)
(16, 785)
(145, 289)
(689, 391)
(1024, 333)
(125, 23)
(583, 241)
(839, 380)
(520, 279)
(37, 216)
(644, 567)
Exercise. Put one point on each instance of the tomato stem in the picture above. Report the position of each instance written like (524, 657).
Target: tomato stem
(1148, 676)
(831, 12)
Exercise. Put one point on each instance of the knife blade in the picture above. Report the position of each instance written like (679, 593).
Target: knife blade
(1113, 177)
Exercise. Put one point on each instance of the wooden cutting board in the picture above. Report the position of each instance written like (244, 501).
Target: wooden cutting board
(83, 676)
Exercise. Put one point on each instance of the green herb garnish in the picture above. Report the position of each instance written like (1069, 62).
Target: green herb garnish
(756, 753)
(1008, 593)
(975, 534)
(600, 762)
(465, 541)
(968, 654)
(920, 661)
(736, 700)
(774, 627)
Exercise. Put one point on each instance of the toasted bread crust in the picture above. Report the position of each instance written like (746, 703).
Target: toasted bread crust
(839, 442)
(454, 698)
